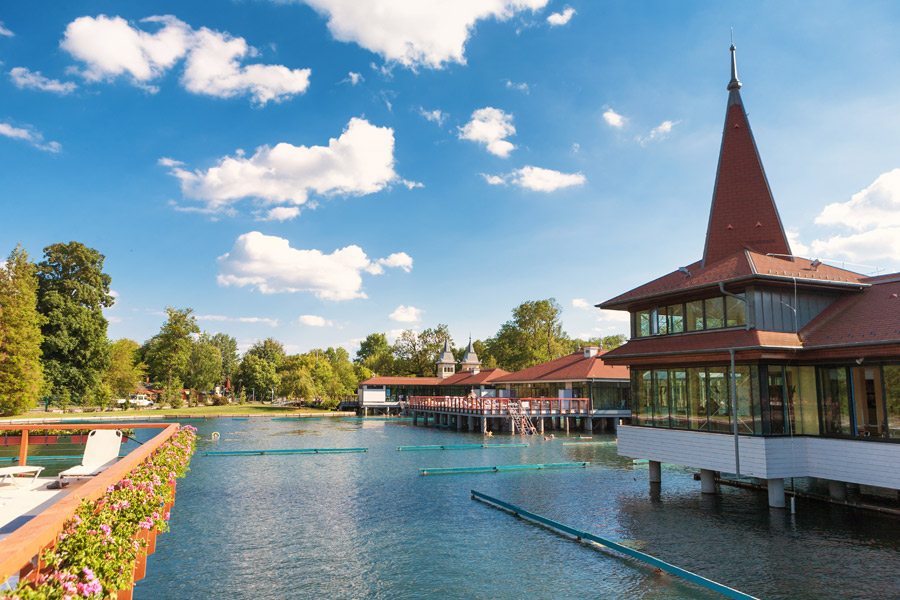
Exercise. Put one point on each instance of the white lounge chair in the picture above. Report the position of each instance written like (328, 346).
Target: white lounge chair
(11, 472)
(100, 453)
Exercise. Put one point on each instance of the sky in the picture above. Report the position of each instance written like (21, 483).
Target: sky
(319, 170)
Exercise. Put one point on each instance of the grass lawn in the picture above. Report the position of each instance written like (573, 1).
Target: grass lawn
(198, 411)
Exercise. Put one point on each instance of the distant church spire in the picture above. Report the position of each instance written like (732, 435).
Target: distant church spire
(743, 214)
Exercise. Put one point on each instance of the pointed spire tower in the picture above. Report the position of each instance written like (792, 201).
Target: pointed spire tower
(743, 213)
(446, 364)
(470, 360)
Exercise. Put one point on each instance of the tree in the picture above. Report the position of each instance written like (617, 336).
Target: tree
(21, 373)
(204, 369)
(228, 350)
(417, 354)
(376, 354)
(613, 341)
(125, 368)
(73, 290)
(257, 376)
(534, 335)
(169, 353)
(269, 350)
(296, 383)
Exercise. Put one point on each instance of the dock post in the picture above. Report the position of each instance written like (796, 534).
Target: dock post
(655, 471)
(541, 425)
(837, 490)
(567, 423)
(707, 481)
(776, 492)
(471, 422)
(459, 422)
(484, 428)
(365, 411)
(588, 424)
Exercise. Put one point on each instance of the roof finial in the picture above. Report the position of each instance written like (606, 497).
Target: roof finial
(735, 83)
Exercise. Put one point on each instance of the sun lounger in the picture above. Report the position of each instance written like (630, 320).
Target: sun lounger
(100, 453)
(11, 472)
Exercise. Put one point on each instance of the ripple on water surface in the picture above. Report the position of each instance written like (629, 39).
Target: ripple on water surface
(366, 525)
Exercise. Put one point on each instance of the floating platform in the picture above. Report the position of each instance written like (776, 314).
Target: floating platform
(618, 546)
(294, 451)
(498, 469)
(589, 443)
(459, 447)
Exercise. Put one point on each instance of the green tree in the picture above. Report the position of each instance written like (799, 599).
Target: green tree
(534, 335)
(376, 354)
(228, 350)
(168, 355)
(257, 377)
(73, 290)
(295, 380)
(613, 341)
(204, 369)
(125, 368)
(269, 350)
(21, 374)
(417, 354)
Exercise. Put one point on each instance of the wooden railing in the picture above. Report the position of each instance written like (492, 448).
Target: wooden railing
(19, 550)
(534, 407)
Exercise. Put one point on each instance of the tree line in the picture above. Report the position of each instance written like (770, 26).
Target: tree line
(54, 345)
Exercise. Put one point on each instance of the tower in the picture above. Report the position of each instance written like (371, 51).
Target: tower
(446, 364)
(470, 358)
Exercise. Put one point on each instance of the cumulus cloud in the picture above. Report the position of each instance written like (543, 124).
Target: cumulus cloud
(658, 132)
(282, 213)
(406, 314)
(353, 78)
(26, 79)
(522, 87)
(874, 214)
(359, 162)
(5, 32)
(537, 179)
(110, 47)
(169, 162)
(614, 119)
(490, 126)
(270, 265)
(435, 116)
(254, 320)
(314, 321)
(415, 33)
(561, 18)
(29, 135)
(798, 248)
(580, 303)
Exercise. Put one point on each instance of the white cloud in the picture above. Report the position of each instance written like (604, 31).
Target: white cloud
(489, 126)
(110, 47)
(282, 213)
(435, 116)
(537, 179)
(561, 18)
(614, 119)
(314, 321)
(271, 265)
(255, 320)
(359, 162)
(353, 78)
(414, 33)
(169, 162)
(400, 260)
(26, 79)
(406, 314)
(658, 132)
(798, 248)
(5, 32)
(874, 213)
(393, 334)
(581, 303)
(522, 87)
(29, 135)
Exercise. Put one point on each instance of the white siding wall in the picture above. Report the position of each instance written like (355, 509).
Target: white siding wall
(853, 461)
(372, 397)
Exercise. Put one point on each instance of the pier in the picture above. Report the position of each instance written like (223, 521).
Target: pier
(514, 415)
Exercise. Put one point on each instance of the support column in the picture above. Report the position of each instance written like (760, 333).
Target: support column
(415, 419)
(588, 424)
(460, 424)
(655, 471)
(470, 422)
(365, 411)
(567, 423)
(707, 481)
(541, 425)
(837, 490)
(776, 492)
(484, 428)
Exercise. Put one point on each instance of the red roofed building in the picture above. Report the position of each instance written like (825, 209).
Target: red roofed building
(757, 362)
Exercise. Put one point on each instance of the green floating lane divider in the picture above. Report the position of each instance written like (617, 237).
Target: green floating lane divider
(498, 469)
(617, 546)
(589, 443)
(459, 447)
(297, 418)
(240, 418)
(294, 451)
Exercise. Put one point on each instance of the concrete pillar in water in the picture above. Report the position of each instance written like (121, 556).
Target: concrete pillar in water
(541, 425)
(707, 481)
(566, 419)
(655, 471)
(837, 490)
(588, 424)
(415, 419)
(365, 411)
(484, 428)
(471, 422)
(776, 492)
(460, 423)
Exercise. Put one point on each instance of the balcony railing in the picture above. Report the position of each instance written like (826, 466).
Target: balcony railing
(535, 407)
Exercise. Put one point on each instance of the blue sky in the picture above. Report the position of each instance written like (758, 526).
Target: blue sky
(305, 171)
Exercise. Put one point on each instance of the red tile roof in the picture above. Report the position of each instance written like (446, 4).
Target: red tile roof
(470, 377)
(573, 367)
(872, 316)
(401, 381)
(707, 341)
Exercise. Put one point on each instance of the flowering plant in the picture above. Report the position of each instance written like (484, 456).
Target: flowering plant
(96, 552)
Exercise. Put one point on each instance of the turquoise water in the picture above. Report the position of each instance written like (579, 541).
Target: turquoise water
(368, 526)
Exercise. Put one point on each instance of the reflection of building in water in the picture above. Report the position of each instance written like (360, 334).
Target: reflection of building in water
(786, 364)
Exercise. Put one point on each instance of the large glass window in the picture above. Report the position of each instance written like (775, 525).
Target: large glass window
(675, 314)
(694, 315)
(715, 312)
(662, 323)
(776, 400)
(735, 311)
(868, 401)
(678, 393)
(835, 401)
(803, 409)
(644, 400)
(642, 323)
(747, 385)
(892, 399)
(719, 407)
(661, 406)
(698, 413)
